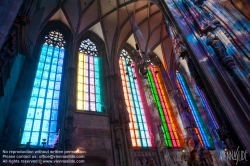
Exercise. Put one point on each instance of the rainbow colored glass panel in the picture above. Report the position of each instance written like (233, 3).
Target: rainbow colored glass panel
(169, 123)
(41, 121)
(205, 134)
(89, 87)
(138, 123)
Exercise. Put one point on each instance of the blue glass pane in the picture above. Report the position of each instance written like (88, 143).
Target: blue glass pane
(37, 82)
(39, 113)
(59, 69)
(42, 92)
(58, 77)
(40, 66)
(44, 83)
(50, 50)
(55, 104)
(61, 54)
(31, 112)
(40, 103)
(48, 60)
(53, 68)
(36, 125)
(44, 49)
(54, 115)
(56, 52)
(45, 75)
(33, 101)
(54, 62)
(47, 67)
(48, 103)
(60, 62)
(35, 92)
(51, 84)
(34, 138)
(26, 137)
(42, 58)
(53, 126)
(52, 138)
(56, 95)
(52, 76)
(57, 86)
(49, 94)
(45, 126)
(28, 124)
(46, 114)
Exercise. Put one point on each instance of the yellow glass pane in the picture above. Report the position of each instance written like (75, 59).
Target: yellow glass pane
(80, 79)
(132, 134)
(133, 142)
(80, 95)
(80, 65)
(137, 134)
(80, 71)
(80, 57)
(80, 87)
(79, 105)
(138, 142)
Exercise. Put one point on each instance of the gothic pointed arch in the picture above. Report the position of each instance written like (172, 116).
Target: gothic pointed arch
(92, 67)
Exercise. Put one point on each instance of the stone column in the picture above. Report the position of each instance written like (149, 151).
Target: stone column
(119, 122)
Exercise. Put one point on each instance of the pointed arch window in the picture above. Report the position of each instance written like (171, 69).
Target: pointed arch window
(89, 84)
(170, 126)
(205, 138)
(41, 121)
(139, 124)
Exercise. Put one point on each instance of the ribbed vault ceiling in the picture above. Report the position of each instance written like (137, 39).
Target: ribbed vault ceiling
(112, 20)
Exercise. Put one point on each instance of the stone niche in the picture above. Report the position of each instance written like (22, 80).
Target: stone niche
(92, 134)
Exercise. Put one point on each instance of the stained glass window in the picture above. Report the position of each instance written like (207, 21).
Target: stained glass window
(89, 84)
(139, 128)
(41, 121)
(170, 126)
(205, 134)
(206, 105)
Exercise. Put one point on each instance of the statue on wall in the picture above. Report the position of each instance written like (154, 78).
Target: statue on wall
(218, 47)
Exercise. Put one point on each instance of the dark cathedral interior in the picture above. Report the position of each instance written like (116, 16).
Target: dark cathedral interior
(125, 82)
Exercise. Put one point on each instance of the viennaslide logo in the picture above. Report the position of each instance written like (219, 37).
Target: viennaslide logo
(234, 155)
